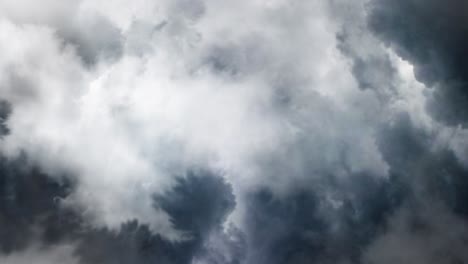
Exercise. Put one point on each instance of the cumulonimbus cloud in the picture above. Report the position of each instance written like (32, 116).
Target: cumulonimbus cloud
(236, 132)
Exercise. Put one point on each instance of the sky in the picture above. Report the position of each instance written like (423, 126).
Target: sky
(233, 132)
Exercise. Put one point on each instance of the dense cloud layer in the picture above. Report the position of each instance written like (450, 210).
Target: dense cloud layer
(237, 132)
(34, 221)
(433, 36)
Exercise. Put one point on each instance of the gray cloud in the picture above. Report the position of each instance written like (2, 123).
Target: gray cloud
(432, 35)
(32, 213)
(30, 207)
(5, 110)
(421, 235)
(185, 132)
(95, 39)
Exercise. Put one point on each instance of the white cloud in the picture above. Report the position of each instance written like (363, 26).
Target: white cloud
(261, 94)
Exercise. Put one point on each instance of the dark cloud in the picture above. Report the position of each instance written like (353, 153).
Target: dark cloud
(198, 202)
(433, 36)
(132, 243)
(30, 209)
(431, 173)
(421, 234)
(362, 218)
(358, 219)
(5, 111)
(307, 226)
(198, 205)
(31, 212)
(430, 225)
(318, 198)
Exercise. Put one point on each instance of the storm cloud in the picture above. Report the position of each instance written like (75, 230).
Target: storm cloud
(239, 132)
(432, 35)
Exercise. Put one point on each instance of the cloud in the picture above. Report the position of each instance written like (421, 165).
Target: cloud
(5, 110)
(202, 93)
(184, 132)
(30, 210)
(93, 36)
(429, 235)
(37, 224)
(329, 224)
(432, 36)
(56, 255)
(197, 205)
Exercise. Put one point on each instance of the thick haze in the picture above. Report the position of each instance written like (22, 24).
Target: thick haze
(233, 132)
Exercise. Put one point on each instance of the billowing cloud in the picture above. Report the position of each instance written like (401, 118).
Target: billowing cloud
(432, 35)
(235, 132)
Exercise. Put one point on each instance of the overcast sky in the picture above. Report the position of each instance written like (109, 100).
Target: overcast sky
(233, 132)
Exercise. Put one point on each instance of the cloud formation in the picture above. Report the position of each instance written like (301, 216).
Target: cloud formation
(432, 35)
(237, 132)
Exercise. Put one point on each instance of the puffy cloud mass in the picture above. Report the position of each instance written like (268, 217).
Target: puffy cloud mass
(200, 131)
